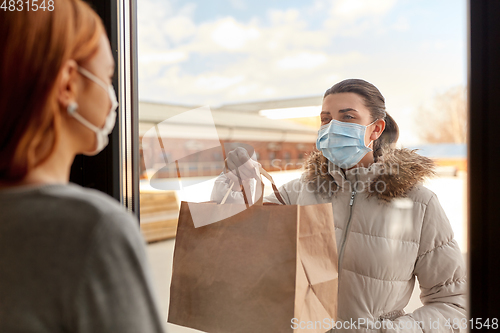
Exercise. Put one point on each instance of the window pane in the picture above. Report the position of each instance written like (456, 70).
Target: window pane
(262, 68)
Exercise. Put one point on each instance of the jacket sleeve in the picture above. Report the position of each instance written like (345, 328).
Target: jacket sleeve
(441, 272)
(288, 192)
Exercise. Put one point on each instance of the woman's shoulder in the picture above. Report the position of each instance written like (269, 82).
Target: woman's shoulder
(420, 194)
(82, 199)
(94, 212)
(69, 215)
(58, 204)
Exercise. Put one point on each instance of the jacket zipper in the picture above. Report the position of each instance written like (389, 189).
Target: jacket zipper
(347, 229)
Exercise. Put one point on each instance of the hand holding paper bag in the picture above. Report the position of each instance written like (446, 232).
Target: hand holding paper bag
(240, 165)
(254, 271)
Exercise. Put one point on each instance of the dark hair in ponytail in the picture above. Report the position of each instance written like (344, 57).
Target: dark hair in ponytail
(375, 102)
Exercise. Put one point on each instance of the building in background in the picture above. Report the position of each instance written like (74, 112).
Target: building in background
(279, 144)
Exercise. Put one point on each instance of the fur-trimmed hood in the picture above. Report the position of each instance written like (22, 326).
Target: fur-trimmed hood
(394, 174)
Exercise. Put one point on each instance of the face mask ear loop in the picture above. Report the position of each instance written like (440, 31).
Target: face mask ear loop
(94, 78)
(368, 146)
(73, 113)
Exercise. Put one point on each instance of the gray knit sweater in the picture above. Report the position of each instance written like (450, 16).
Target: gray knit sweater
(72, 260)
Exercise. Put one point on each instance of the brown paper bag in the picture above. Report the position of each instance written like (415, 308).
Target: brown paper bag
(266, 269)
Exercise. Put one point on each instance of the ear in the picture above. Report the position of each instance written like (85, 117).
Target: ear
(67, 85)
(379, 127)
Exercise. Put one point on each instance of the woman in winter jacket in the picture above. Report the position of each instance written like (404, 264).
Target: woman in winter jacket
(389, 228)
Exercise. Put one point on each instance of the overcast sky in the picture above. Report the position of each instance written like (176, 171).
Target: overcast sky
(216, 52)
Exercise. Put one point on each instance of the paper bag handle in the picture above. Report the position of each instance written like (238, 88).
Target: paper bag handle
(273, 184)
(261, 199)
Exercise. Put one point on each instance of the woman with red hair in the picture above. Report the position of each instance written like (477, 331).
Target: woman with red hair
(71, 259)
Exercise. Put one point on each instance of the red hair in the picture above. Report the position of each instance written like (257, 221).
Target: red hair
(35, 45)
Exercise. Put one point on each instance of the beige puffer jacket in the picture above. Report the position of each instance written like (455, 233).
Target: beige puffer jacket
(389, 230)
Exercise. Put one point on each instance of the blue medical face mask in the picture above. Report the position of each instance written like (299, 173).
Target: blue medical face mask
(343, 143)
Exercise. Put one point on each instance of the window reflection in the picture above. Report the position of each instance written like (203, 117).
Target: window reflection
(263, 67)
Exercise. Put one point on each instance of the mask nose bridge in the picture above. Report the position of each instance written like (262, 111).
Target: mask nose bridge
(112, 97)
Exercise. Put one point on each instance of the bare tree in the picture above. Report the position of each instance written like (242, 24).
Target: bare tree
(445, 119)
